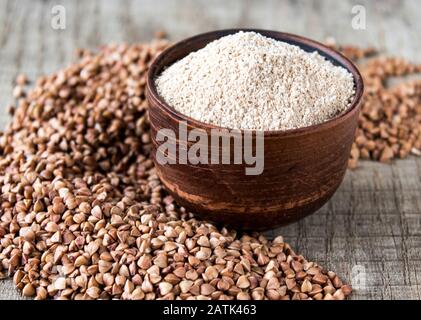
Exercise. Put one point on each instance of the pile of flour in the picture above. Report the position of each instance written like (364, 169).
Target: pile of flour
(248, 81)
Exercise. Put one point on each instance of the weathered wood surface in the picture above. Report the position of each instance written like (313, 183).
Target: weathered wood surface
(372, 226)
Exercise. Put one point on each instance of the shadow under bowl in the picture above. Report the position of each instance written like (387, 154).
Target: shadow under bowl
(302, 167)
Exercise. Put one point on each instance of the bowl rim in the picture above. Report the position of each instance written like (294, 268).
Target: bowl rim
(156, 68)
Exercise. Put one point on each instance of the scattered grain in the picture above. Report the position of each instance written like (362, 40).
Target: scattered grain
(84, 215)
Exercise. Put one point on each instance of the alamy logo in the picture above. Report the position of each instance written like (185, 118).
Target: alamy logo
(221, 146)
(359, 17)
(359, 278)
(58, 19)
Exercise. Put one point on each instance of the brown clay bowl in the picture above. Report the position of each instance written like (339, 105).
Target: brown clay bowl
(302, 167)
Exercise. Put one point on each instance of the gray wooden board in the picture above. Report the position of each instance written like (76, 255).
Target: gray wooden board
(370, 231)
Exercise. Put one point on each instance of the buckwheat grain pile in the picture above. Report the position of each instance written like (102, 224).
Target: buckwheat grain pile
(248, 81)
(83, 214)
(390, 119)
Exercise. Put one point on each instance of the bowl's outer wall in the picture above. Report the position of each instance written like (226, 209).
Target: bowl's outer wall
(301, 171)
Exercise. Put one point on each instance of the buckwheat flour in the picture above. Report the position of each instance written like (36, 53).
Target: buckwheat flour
(248, 81)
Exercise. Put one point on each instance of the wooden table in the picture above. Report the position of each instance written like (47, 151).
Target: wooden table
(370, 232)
